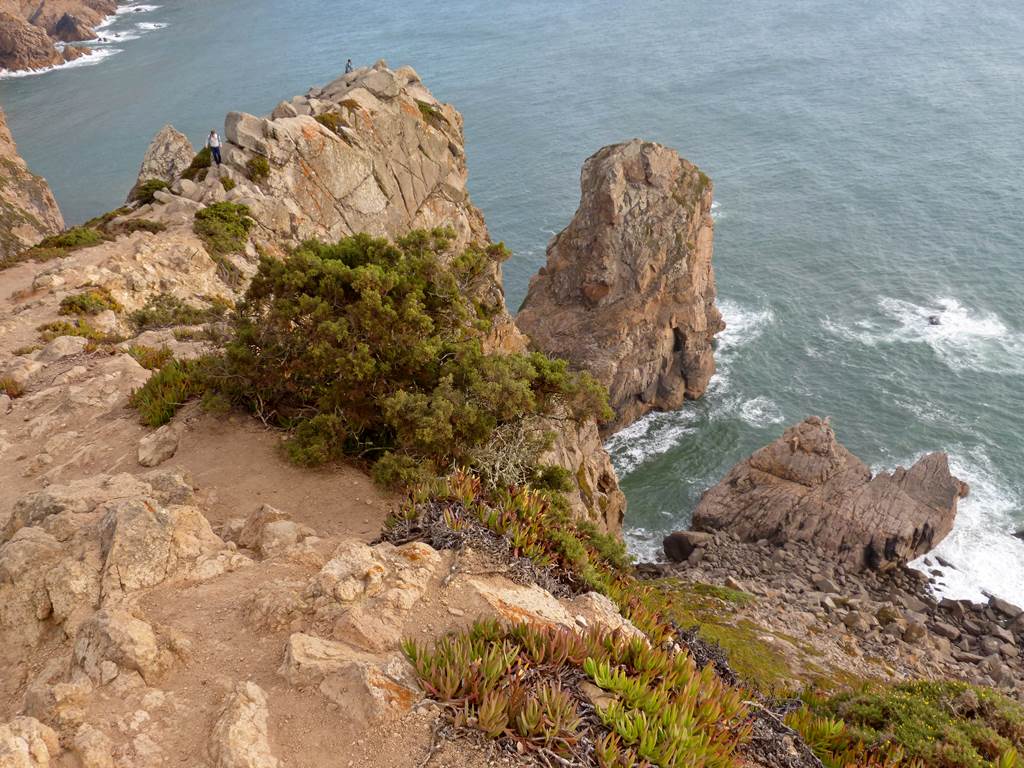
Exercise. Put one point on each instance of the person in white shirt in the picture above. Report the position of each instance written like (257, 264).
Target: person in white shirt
(213, 142)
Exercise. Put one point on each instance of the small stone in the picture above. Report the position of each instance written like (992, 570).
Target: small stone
(456, 611)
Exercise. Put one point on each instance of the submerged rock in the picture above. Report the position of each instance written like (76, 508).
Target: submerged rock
(807, 487)
(628, 292)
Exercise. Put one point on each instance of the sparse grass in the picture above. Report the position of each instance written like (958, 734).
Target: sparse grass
(150, 358)
(169, 388)
(143, 193)
(10, 387)
(523, 684)
(165, 310)
(132, 226)
(430, 113)
(27, 350)
(89, 302)
(223, 227)
(196, 170)
(258, 168)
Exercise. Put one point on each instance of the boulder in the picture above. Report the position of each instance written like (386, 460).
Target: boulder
(157, 447)
(680, 545)
(169, 154)
(239, 738)
(807, 487)
(628, 291)
(114, 640)
(28, 210)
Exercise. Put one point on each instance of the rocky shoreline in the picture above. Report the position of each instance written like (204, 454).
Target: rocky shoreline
(39, 35)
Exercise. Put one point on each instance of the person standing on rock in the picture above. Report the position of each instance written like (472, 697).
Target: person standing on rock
(213, 142)
(348, 66)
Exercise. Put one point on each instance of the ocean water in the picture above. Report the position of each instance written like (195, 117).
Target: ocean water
(867, 160)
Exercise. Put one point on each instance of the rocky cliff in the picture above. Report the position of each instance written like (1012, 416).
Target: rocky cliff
(28, 212)
(31, 29)
(628, 291)
(807, 487)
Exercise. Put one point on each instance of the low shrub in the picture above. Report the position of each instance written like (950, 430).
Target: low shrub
(524, 685)
(143, 193)
(196, 170)
(130, 226)
(165, 310)
(150, 358)
(430, 113)
(937, 723)
(11, 387)
(332, 121)
(227, 184)
(368, 348)
(169, 388)
(223, 227)
(89, 302)
(258, 168)
(77, 327)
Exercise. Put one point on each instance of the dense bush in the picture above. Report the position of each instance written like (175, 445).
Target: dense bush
(143, 193)
(369, 348)
(258, 168)
(196, 170)
(223, 228)
(177, 382)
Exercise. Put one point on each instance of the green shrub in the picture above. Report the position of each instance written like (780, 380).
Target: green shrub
(196, 171)
(58, 246)
(130, 226)
(939, 723)
(169, 388)
(223, 227)
(430, 113)
(143, 193)
(227, 183)
(101, 222)
(89, 302)
(332, 121)
(150, 358)
(165, 310)
(258, 168)
(382, 343)
(77, 327)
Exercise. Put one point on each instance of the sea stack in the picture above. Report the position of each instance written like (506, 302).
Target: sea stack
(628, 291)
(807, 487)
(28, 212)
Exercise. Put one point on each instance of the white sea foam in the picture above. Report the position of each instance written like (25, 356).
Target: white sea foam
(643, 544)
(97, 55)
(761, 412)
(742, 325)
(985, 557)
(716, 210)
(964, 339)
(135, 8)
(117, 37)
(149, 26)
(651, 436)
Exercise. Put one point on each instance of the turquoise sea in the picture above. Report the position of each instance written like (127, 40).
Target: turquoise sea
(869, 172)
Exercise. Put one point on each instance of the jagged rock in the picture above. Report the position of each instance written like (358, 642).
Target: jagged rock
(239, 738)
(157, 447)
(28, 211)
(369, 687)
(269, 531)
(92, 748)
(70, 28)
(1005, 607)
(27, 743)
(807, 487)
(387, 158)
(114, 636)
(367, 590)
(169, 154)
(628, 291)
(24, 45)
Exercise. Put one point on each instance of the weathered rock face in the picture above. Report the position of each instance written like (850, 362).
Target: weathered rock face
(168, 155)
(807, 487)
(373, 152)
(28, 212)
(628, 291)
(30, 28)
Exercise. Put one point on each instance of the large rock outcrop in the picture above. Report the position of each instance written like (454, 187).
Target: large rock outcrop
(807, 487)
(30, 29)
(628, 292)
(28, 212)
(169, 154)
